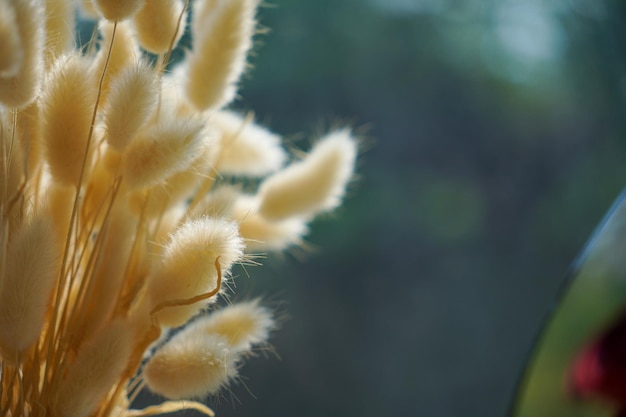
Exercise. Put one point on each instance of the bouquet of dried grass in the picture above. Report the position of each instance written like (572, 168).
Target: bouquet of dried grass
(114, 229)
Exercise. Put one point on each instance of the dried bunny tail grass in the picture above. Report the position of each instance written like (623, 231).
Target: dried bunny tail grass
(191, 365)
(11, 163)
(221, 43)
(67, 107)
(181, 185)
(162, 150)
(59, 29)
(29, 128)
(188, 266)
(10, 42)
(263, 235)
(109, 273)
(172, 92)
(246, 148)
(131, 100)
(32, 261)
(20, 89)
(98, 366)
(243, 325)
(87, 9)
(313, 185)
(117, 10)
(218, 203)
(202, 10)
(60, 199)
(157, 23)
(123, 52)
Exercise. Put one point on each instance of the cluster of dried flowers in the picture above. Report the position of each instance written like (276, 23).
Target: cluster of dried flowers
(115, 226)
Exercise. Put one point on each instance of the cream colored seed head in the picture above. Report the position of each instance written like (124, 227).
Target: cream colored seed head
(261, 234)
(180, 186)
(202, 10)
(131, 100)
(87, 9)
(191, 365)
(162, 150)
(218, 59)
(156, 25)
(99, 364)
(20, 89)
(125, 51)
(10, 42)
(188, 269)
(59, 29)
(67, 106)
(109, 273)
(243, 324)
(30, 275)
(218, 203)
(12, 169)
(117, 10)
(313, 185)
(245, 147)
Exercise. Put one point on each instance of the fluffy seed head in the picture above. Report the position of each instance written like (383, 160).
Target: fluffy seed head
(242, 325)
(117, 10)
(191, 365)
(67, 106)
(161, 151)
(30, 275)
(261, 234)
(156, 24)
(87, 9)
(125, 51)
(131, 100)
(10, 42)
(246, 148)
(20, 89)
(218, 203)
(221, 43)
(187, 268)
(59, 28)
(313, 185)
(99, 364)
(12, 173)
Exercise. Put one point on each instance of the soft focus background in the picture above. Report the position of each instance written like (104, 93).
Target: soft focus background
(494, 142)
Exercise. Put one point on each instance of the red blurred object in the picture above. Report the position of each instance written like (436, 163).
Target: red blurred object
(600, 369)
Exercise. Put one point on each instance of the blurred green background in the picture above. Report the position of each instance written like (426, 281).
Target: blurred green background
(495, 140)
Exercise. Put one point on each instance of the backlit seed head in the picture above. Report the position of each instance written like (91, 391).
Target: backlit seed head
(131, 100)
(162, 150)
(156, 25)
(313, 185)
(243, 324)
(19, 89)
(191, 365)
(218, 203)
(59, 29)
(67, 107)
(10, 42)
(221, 43)
(99, 363)
(188, 269)
(117, 10)
(246, 148)
(125, 51)
(29, 278)
(261, 234)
